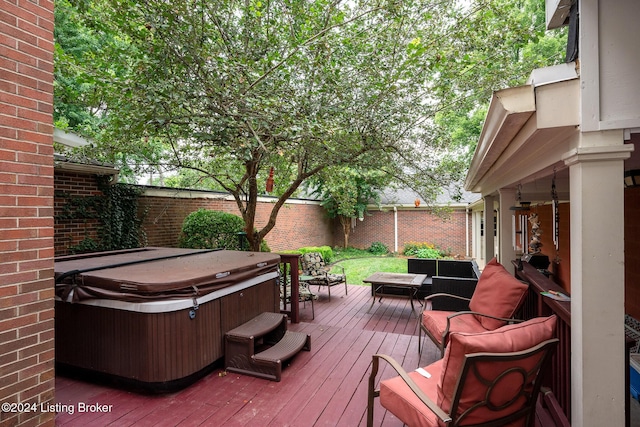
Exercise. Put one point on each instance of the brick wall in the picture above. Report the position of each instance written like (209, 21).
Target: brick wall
(414, 225)
(71, 231)
(299, 223)
(26, 209)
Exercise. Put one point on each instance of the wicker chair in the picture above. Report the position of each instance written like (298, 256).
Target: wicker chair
(488, 379)
(313, 265)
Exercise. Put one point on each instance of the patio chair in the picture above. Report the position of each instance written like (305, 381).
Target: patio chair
(486, 379)
(496, 299)
(313, 265)
(304, 295)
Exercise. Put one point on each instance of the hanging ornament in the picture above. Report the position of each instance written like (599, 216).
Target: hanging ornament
(555, 212)
(269, 186)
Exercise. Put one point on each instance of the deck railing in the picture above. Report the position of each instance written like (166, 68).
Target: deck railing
(536, 305)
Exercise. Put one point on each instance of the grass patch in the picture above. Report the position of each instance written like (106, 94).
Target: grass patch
(340, 254)
(360, 268)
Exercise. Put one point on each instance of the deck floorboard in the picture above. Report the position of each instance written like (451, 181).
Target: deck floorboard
(325, 386)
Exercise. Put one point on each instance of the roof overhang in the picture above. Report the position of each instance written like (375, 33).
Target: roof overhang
(64, 164)
(527, 130)
(509, 110)
(557, 13)
(68, 139)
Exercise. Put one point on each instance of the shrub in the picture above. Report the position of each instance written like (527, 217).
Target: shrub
(428, 253)
(325, 251)
(209, 229)
(422, 250)
(378, 248)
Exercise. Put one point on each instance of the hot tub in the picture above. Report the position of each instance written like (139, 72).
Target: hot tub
(155, 318)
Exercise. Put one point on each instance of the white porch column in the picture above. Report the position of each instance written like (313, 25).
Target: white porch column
(597, 279)
(489, 239)
(505, 246)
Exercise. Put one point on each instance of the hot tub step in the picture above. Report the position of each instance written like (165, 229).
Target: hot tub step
(268, 329)
(259, 326)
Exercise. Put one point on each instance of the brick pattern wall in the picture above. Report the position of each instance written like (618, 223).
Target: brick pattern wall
(26, 210)
(69, 230)
(414, 225)
(298, 224)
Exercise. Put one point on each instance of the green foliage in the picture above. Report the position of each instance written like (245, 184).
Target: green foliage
(325, 251)
(349, 253)
(346, 191)
(86, 245)
(229, 89)
(209, 229)
(121, 227)
(378, 248)
(74, 90)
(116, 210)
(264, 247)
(422, 250)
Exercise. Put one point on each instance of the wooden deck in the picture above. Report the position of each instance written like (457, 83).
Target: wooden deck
(324, 387)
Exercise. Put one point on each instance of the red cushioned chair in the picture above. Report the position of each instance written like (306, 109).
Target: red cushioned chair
(496, 299)
(486, 379)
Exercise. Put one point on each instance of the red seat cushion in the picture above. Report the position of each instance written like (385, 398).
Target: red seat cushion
(396, 396)
(510, 338)
(436, 322)
(498, 294)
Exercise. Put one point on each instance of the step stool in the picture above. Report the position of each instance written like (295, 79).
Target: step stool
(268, 333)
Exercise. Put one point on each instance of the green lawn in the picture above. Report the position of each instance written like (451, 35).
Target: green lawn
(361, 268)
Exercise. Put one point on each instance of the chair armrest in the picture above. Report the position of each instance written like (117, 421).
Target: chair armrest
(335, 266)
(475, 313)
(443, 295)
(504, 319)
(412, 385)
(445, 333)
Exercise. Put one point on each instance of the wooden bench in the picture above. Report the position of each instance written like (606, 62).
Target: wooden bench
(259, 346)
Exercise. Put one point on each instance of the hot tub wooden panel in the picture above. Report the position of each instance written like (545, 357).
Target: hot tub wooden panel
(243, 306)
(150, 348)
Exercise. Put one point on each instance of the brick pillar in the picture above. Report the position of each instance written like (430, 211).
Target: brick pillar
(26, 212)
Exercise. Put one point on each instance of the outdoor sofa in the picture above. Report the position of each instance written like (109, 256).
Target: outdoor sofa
(456, 277)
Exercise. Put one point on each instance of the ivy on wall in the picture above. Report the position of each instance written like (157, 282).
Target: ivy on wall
(116, 211)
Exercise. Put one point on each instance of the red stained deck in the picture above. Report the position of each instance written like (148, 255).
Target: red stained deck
(326, 386)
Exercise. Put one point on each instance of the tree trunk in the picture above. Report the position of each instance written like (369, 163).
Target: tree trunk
(346, 229)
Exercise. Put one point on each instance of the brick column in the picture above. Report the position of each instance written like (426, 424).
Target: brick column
(26, 211)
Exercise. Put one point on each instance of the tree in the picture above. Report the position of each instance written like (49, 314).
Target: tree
(346, 192)
(231, 89)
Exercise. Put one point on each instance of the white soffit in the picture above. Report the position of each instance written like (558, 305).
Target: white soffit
(557, 13)
(509, 110)
(68, 139)
(552, 99)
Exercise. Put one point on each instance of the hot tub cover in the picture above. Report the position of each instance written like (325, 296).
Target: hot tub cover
(156, 273)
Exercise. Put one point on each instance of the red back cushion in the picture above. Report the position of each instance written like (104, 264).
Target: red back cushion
(510, 338)
(497, 294)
